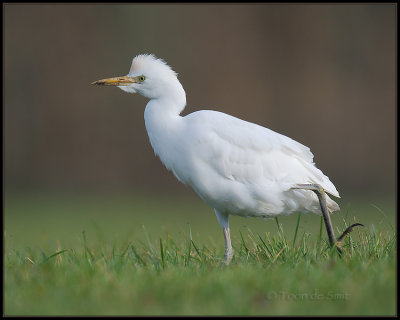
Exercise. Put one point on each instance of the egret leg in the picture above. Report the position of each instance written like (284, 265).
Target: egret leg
(223, 219)
(320, 192)
(228, 246)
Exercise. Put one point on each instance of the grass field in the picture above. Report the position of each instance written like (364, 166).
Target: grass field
(161, 255)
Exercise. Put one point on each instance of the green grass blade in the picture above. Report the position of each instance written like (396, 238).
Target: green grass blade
(162, 254)
(297, 228)
(137, 256)
(197, 250)
(243, 242)
(281, 233)
(52, 256)
(148, 240)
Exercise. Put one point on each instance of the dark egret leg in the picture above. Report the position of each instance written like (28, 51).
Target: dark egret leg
(320, 192)
(223, 220)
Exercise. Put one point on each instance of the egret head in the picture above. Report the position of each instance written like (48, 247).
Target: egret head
(149, 76)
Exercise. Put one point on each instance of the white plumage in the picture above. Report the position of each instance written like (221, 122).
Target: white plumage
(235, 166)
(241, 168)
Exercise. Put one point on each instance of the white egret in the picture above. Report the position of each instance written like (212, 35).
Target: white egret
(237, 167)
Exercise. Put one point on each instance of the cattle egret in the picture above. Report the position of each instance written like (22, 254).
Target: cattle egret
(237, 167)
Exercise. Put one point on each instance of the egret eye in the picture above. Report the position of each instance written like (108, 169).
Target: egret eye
(142, 78)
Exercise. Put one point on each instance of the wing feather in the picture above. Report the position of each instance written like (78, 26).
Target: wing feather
(248, 153)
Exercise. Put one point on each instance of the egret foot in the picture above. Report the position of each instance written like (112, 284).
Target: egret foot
(320, 192)
(228, 256)
(346, 232)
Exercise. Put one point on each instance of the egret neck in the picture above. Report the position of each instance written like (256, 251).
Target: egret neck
(164, 123)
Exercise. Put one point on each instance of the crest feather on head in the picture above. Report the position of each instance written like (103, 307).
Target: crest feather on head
(150, 62)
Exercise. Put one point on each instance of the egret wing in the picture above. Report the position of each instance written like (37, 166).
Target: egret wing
(248, 153)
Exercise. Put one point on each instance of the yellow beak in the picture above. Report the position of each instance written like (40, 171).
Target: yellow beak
(117, 81)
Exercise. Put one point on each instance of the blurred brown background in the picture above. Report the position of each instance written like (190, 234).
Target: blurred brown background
(323, 75)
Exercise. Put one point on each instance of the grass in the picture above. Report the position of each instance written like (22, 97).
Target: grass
(124, 256)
